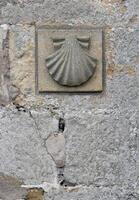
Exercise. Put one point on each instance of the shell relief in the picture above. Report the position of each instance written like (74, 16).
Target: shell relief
(71, 64)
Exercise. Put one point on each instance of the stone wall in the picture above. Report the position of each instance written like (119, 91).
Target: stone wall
(99, 145)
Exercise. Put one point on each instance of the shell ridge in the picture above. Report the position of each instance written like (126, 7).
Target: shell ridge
(81, 62)
(54, 70)
(78, 63)
(85, 73)
(91, 62)
(84, 61)
(54, 58)
(53, 54)
(71, 78)
(59, 74)
(65, 74)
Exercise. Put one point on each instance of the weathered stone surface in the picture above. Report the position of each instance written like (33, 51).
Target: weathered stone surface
(125, 43)
(10, 188)
(4, 68)
(8, 91)
(22, 146)
(105, 145)
(22, 57)
(78, 11)
(89, 193)
(56, 148)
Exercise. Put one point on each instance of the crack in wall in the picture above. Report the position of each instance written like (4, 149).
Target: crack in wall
(56, 141)
(61, 126)
(55, 144)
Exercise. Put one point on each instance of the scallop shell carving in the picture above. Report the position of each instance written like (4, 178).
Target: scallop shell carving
(70, 64)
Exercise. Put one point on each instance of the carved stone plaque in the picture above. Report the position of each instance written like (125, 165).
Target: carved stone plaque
(69, 59)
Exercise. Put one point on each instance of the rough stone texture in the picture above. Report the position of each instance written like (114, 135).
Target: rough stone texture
(105, 140)
(77, 11)
(89, 193)
(22, 57)
(4, 94)
(8, 91)
(101, 130)
(22, 145)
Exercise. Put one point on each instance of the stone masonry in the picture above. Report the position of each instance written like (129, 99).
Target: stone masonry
(69, 146)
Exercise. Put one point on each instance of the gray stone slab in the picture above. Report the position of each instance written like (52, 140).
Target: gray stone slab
(100, 149)
(22, 146)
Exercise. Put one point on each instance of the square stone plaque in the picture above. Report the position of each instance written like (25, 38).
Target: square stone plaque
(49, 40)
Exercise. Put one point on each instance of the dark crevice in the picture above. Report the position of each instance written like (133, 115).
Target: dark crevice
(65, 183)
(60, 171)
(61, 125)
(20, 108)
(61, 180)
